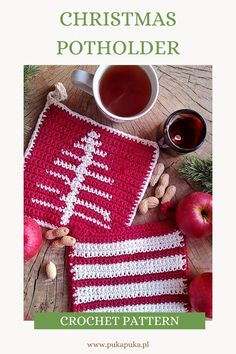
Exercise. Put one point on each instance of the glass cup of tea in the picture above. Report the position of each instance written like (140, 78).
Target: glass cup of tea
(183, 131)
(122, 92)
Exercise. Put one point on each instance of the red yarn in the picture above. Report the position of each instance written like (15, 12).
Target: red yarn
(84, 174)
(135, 258)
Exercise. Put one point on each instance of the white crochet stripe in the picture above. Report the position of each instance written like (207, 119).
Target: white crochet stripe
(155, 243)
(66, 165)
(74, 168)
(46, 224)
(48, 188)
(78, 158)
(114, 270)
(93, 220)
(96, 191)
(84, 171)
(100, 177)
(60, 176)
(46, 204)
(162, 307)
(132, 290)
(69, 153)
(100, 165)
(83, 216)
(92, 206)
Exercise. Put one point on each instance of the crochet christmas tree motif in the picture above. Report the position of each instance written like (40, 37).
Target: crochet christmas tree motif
(143, 268)
(90, 145)
(81, 173)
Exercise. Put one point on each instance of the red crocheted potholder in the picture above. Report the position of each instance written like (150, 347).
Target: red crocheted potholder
(141, 268)
(81, 173)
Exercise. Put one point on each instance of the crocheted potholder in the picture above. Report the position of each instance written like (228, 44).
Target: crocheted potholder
(81, 173)
(142, 268)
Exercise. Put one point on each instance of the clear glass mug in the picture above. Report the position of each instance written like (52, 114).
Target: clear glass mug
(184, 131)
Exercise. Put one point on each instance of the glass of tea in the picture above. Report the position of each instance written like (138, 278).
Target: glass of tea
(122, 92)
(183, 131)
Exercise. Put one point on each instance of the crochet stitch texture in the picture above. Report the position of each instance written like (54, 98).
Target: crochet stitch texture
(91, 178)
(81, 173)
(141, 268)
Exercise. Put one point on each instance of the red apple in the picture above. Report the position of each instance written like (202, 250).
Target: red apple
(194, 215)
(200, 294)
(32, 238)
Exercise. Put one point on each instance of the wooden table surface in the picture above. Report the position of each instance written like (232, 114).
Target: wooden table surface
(180, 87)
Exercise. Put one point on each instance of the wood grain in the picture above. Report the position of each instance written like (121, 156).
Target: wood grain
(180, 87)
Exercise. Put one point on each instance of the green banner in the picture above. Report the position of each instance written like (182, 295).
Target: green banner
(131, 320)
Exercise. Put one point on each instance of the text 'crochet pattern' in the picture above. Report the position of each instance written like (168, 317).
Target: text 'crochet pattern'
(81, 173)
(141, 268)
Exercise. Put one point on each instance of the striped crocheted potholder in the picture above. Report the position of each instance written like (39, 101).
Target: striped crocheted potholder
(81, 173)
(141, 268)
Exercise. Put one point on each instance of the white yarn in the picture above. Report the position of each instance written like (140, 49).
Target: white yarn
(59, 94)
(114, 270)
(155, 243)
(132, 290)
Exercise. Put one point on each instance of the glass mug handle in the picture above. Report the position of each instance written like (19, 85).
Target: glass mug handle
(161, 143)
(83, 80)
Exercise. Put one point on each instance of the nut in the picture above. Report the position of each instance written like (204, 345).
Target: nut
(169, 194)
(148, 203)
(162, 184)
(51, 270)
(143, 207)
(158, 170)
(152, 202)
(56, 233)
(160, 191)
(164, 180)
(68, 241)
